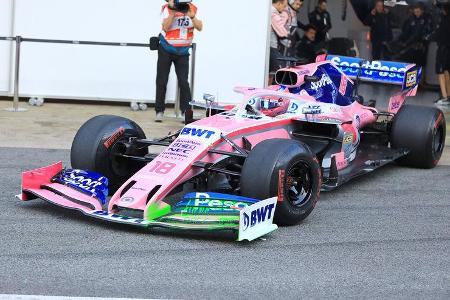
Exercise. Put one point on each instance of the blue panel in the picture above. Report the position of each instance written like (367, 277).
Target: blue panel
(377, 71)
(328, 89)
(90, 183)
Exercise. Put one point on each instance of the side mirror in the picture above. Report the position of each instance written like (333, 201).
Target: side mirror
(209, 98)
(310, 79)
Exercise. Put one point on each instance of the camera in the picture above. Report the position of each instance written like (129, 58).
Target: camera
(181, 5)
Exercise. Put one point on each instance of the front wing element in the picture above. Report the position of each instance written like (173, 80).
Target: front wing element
(249, 218)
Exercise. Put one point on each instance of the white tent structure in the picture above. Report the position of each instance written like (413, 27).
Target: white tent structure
(232, 50)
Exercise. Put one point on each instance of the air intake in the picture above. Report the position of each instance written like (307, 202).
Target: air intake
(286, 77)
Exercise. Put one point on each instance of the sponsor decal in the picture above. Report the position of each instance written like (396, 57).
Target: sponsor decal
(312, 109)
(343, 86)
(375, 70)
(335, 108)
(257, 216)
(114, 137)
(180, 149)
(348, 139)
(438, 121)
(293, 107)
(395, 105)
(204, 200)
(197, 132)
(326, 119)
(127, 200)
(411, 79)
(252, 101)
(281, 176)
(303, 72)
(118, 218)
(357, 121)
(324, 81)
(89, 182)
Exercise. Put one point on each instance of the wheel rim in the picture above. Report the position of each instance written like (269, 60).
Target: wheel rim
(438, 143)
(299, 184)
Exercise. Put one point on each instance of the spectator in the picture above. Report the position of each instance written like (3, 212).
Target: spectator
(443, 55)
(307, 47)
(292, 10)
(178, 25)
(415, 32)
(292, 23)
(380, 22)
(321, 19)
(279, 34)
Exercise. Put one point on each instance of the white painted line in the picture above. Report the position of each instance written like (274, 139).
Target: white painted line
(37, 297)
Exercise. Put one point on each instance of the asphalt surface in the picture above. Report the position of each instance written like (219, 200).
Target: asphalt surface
(386, 235)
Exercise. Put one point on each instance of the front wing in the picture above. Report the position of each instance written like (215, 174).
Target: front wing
(250, 221)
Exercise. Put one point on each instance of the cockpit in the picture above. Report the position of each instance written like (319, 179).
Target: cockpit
(270, 105)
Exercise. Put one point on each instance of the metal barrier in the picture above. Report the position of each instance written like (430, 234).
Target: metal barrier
(19, 40)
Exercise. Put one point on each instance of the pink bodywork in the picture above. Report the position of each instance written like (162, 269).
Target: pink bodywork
(234, 128)
(174, 165)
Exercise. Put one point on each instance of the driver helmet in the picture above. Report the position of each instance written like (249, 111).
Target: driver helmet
(272, 107)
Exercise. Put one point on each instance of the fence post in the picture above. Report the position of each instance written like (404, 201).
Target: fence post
(177, 101)
(192, 75)
(15, 107)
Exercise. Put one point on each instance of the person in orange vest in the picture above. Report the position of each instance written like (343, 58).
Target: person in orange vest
(178, 24)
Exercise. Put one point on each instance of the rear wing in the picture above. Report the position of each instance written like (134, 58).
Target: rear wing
(387, 72)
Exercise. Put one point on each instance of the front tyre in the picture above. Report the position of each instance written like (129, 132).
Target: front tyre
(95, 146)
(421, 131)
(287, 169)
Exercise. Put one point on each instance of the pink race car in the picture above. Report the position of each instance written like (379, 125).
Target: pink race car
(261, 162)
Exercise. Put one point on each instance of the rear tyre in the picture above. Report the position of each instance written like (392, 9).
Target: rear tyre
(96, 144)
(420, 130)
(286, 168)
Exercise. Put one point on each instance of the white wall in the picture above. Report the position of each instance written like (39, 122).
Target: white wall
(231, 49)
(5, 47)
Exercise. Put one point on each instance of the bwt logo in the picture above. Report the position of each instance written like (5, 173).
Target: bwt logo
(197, 132)
(258, 216)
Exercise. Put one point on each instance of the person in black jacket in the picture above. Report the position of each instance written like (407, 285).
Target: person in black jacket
(443, 55)
(321, 19)
(307, 47)
(380, 22)
(415, 34)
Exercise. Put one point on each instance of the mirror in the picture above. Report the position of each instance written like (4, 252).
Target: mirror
(310, 79)
(209, 98)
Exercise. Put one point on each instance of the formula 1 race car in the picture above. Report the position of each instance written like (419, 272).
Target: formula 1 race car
(262, 161)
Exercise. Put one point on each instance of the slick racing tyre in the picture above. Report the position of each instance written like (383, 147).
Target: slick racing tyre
(287, 169)
(421, 131)
(97, 143)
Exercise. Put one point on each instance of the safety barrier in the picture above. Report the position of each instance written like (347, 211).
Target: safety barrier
(19, 40)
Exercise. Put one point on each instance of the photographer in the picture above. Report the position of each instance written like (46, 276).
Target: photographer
(179, 20)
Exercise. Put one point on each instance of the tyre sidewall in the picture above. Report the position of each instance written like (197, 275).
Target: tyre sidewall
(261, 177)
